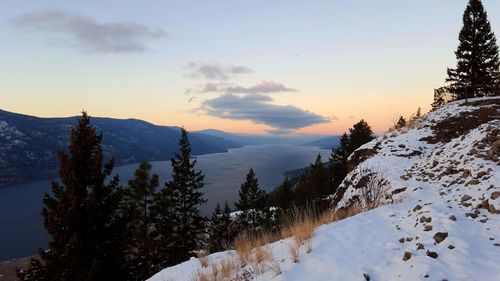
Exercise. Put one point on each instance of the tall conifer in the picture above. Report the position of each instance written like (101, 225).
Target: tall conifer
(82, 216)
(184, 190)
(477, 73)
(139, 204)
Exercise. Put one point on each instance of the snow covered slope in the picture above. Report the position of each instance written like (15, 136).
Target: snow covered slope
(441, 182)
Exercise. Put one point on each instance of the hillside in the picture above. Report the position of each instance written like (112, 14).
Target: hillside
(438, 185)
(326, 142)
(29, 145)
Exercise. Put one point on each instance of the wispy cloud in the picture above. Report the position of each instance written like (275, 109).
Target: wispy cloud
(260, 110)
(263, 87)
(89, 35)
(215, 71)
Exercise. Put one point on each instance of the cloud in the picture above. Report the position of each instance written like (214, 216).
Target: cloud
(89, 35)
(215, 71)
(264, 87)
(259, 109)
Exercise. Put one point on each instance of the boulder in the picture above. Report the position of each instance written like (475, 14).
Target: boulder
(440, 236)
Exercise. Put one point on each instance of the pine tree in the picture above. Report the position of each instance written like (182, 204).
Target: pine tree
(251, 204)
(337, 162)
(478, 65)
(314, 185)
(285, 195)
(220, 229)
(139, 203)
(82, 216)
(164, 217)
(185, 195)
(359, 134)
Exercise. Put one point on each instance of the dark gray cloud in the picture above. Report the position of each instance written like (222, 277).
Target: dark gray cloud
(263, 87)
(259, 109)
(215, 71)
(89, 35)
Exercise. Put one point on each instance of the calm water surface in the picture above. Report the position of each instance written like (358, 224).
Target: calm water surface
(21, 225)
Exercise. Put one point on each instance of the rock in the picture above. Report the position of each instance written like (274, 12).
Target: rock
(420, 246)
(473, 182)
(452, 217)
(465, 204)
(440, 236)
(472, 215)
(451, 247)
(472, 151)
(402, 240)
(406, 256)
(418, 207)
(409, 239)
(431, 254)
(428, 227)
(495, 195)
(403, 177)
(425, 219)
(465, 198)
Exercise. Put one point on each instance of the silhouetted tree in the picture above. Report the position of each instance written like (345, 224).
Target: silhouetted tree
(478, 66)
(251, 204)
(82, 215)
(359, 134)
(284, 196)
(220, 230)
(139, 203)
(338, 162)
(185, 196)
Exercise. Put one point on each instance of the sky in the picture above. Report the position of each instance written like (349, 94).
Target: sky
(271, 67)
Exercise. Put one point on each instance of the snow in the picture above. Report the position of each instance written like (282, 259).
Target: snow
(369, 243)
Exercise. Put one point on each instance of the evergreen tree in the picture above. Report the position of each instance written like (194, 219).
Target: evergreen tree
(359, 134)
(251, 204)
(184, 193)
(164, 216)
(337, 162)
(139, 203)
(314, 186)
(82, 216)
(285, 195)
(478, 66)
(220, 229)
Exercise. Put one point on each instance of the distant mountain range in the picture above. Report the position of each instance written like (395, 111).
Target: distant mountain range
(325, 143)
(254, 139)
(29, 144)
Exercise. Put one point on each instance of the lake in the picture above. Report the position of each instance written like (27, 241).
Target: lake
(21, 225)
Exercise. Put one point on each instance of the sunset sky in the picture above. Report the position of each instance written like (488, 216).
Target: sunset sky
(279, 67)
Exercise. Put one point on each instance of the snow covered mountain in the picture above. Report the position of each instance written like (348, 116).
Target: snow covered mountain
(439, 217)
(29, 145)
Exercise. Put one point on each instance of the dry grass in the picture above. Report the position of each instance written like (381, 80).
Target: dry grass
(275, 267)
(203, 258)
(300, 223)
(200, 276)
(214, 272)
(294, 250)
(244, 245)
(226, 268)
